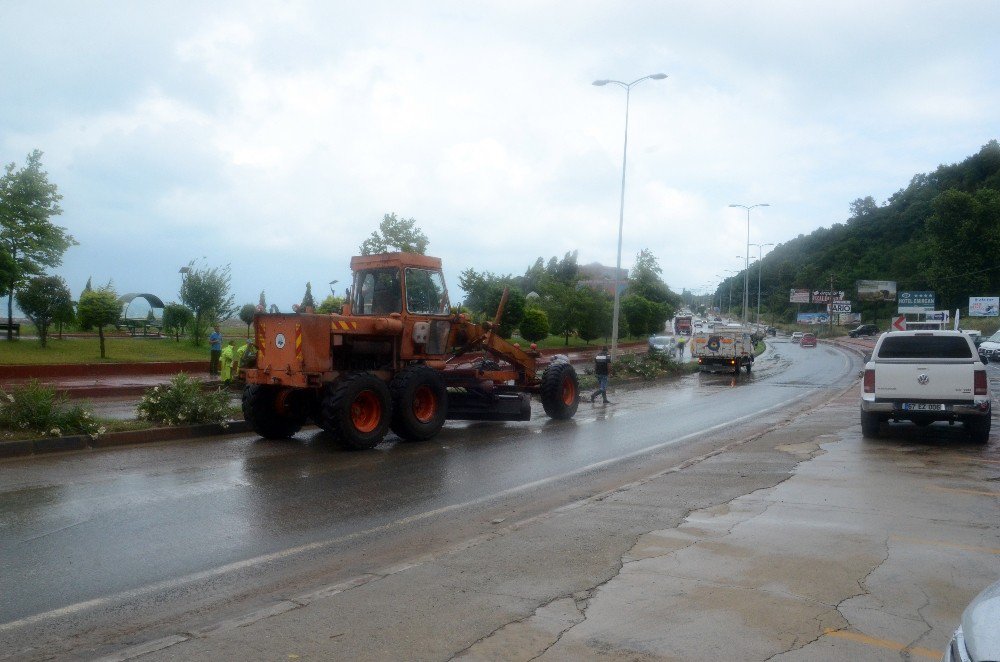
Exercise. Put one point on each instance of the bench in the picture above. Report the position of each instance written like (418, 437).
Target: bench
(15, 327)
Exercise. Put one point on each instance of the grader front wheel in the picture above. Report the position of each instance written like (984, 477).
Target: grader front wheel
(560, 391)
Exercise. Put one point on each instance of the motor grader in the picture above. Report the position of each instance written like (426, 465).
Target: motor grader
(396, 358)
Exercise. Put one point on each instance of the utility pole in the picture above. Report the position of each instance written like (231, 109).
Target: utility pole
(830, 304)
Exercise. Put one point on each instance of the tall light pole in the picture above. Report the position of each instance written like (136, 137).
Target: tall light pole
(746, 272)
(760, 267)
(621, 211)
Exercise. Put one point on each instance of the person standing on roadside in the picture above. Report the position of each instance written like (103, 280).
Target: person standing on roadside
(227, 356)
(602, 365)
(214, 350)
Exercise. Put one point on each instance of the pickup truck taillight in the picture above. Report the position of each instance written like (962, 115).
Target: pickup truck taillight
(979, 383)
(869, 381)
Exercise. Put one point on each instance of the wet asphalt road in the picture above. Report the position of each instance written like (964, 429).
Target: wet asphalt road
(185, 526)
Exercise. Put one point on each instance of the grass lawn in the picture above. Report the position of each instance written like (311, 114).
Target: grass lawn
(88, 350)
(553, 342)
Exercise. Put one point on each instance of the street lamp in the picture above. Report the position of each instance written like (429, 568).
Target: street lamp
(746, 273)
(760, 267)
(621, 211)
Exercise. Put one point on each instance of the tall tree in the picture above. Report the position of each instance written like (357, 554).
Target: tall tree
(27, 203)
(42, 299)
(645, 279)
(99, 308)
(246, 315)
(395, 235)
(206, 292)
(307, 300)
(175, 318)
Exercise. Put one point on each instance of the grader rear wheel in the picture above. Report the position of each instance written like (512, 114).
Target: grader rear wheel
(273, 412)
(356, 411)
(419, 403)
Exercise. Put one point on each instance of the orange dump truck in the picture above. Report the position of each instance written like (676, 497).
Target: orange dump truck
(396, 358)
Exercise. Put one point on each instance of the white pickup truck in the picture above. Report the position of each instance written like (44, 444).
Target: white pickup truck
(926, 376)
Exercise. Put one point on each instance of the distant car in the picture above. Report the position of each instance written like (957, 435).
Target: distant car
(863, 330)
(797, 336)
(662, 344)
(978, 635)
(990, 348)
(808, 340)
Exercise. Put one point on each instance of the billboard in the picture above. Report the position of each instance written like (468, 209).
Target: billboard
(798, 296)
(813, 318)
(915, 302)
(824, 296)
(984, 306)
(877, 290)
(840, 307)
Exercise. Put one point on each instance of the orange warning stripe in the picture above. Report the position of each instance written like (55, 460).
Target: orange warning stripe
(260, 343)
(298, 342)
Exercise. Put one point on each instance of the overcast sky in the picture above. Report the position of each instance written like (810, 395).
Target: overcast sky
(274, 136)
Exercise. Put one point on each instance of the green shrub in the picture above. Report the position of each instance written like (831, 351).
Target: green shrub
(183, 401)
(38, 410)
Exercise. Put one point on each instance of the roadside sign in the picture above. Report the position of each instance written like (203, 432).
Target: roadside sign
(915, 302)
(825, 296)
(798, 296)
(937, 316)
(877, 290)
(899, 323)
(840, 307)
(984, 306)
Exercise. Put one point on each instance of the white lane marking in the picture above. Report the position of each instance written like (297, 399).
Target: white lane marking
(133, 594)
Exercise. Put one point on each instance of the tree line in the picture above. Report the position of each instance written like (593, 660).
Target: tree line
(940, 233)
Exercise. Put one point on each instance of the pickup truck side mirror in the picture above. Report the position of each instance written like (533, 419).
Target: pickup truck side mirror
(868, 357)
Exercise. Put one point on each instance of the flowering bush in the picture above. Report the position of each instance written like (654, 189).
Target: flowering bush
(183, 401)
(37, 409)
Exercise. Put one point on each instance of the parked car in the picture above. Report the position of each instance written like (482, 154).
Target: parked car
(808, 340)
(863, 330)
(797, 336)
(978, 634)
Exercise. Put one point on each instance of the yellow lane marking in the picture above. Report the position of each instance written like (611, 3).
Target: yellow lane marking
(882, 643)
(956, 490)
(952, 545)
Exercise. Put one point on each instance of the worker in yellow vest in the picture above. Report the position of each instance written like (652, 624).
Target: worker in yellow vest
(226, 359)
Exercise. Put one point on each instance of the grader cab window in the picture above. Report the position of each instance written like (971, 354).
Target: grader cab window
(377, 292)
(426, 293)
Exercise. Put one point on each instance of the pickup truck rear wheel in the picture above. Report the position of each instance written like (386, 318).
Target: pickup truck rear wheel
(979, 428)
(274, 412)
(560, 391)
(419, 403)
(870, 424)
(356, 411)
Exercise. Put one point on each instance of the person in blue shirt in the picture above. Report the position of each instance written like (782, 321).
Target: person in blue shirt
(215, 350)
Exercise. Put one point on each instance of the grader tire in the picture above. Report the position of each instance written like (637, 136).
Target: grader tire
(419, 403)
(271, 413)
(356, 411)
(560, 391)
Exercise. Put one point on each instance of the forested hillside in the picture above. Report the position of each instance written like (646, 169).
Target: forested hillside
(940, 233)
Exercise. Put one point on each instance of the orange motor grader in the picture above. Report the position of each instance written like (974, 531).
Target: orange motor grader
(396, 358)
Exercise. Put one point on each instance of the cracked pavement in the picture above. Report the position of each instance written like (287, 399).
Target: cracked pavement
(804, 543)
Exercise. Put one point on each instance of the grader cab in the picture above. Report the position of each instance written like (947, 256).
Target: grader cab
(396, 358)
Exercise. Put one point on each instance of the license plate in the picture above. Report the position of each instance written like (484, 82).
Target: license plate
(922, 406)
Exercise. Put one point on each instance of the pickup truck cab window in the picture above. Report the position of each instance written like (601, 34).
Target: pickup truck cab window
(925, 347)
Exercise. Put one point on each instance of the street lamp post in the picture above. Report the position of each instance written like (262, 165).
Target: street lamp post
(621, 211)
(760, 267)
(746, 272)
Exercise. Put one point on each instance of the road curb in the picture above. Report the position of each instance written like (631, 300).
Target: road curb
(25, 447)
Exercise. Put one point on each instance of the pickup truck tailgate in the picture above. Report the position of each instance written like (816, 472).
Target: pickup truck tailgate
(936, 380)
